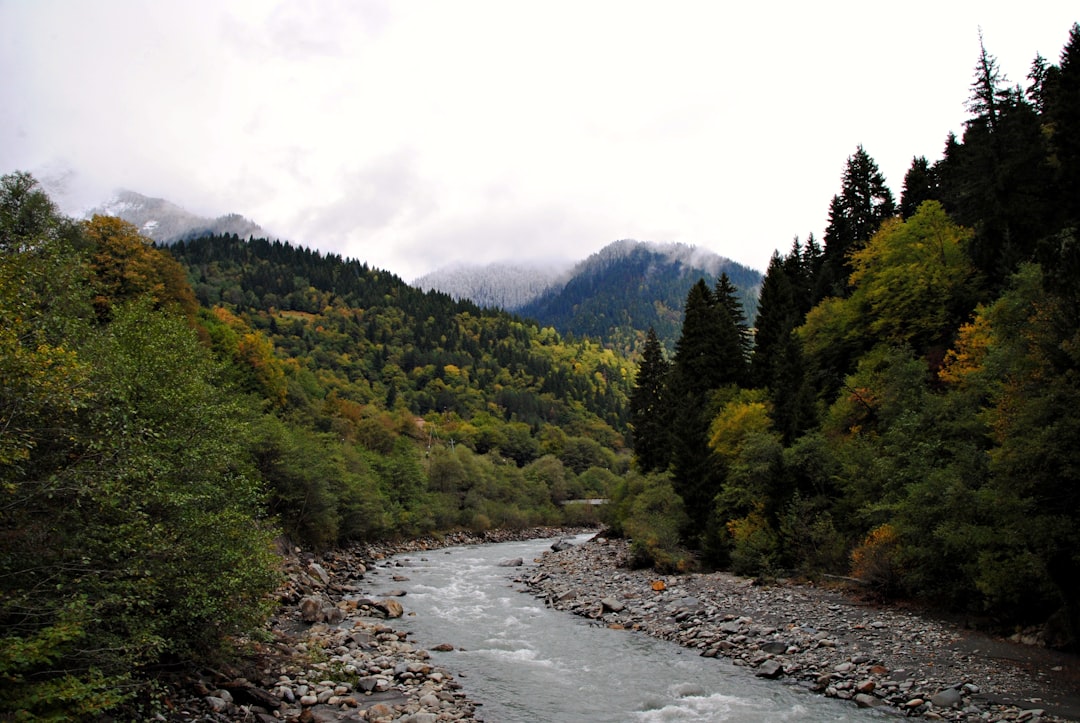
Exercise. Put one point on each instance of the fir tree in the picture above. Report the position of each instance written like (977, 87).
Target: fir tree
(855, 213)
(920, 184)
(1064, 112)
(710, 355)
(648, 413)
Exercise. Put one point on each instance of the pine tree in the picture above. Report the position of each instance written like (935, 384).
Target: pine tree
(777, 364)
(1064, 112)
(649, 415)
(855, 214)
(710, 355)
(737, 342)
(998, 179)
(775, 318)
(988, 92)
(920, 184)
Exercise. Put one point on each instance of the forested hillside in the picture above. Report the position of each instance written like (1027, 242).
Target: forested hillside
(908, 413)
(160, 431)
(618, 293)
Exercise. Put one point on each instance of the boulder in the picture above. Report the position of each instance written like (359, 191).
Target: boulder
(562, 544)
(514, 562)
(318, 571)
(310, 609)
(770, 669)
(389, 608)
(865, 700)
(948, 698)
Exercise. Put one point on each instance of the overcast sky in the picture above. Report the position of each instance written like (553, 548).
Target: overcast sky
(414, 134)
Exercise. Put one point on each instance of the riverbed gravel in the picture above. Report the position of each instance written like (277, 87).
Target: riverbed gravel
(818, 638)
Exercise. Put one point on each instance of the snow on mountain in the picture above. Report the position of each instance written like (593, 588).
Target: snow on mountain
(498, 285)
(165, 222)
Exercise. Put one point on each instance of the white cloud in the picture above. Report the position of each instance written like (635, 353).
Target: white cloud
(413, 134)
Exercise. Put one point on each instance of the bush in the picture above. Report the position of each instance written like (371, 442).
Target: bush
(656, 516)
(876, 561)
(755, 546)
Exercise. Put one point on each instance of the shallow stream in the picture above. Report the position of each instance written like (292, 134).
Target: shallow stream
(526, 662)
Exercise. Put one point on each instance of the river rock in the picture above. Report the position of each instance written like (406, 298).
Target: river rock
(318, 571)
(610, 604)
(864, 700)
(514, 562)
(948, 698)
(310, 609)
(561, 545)
(389, 608)
(769, 669)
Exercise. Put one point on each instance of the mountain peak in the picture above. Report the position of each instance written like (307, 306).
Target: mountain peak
(165, 222)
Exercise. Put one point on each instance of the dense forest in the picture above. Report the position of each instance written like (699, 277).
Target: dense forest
(164, 421)
(907, 412)
(901, 409)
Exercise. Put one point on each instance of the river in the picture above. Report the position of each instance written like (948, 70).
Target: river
(526, 662)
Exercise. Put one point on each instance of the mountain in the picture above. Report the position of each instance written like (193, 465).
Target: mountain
(499, 285)
(165, 222)
(612, 297)
(616, 294)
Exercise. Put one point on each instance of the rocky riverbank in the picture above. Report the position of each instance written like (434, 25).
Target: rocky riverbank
(816, 638)
(332, 653)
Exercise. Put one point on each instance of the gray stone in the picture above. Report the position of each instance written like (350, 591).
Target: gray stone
(610, 604)
(948, 698)
(867, 701)
(319, 572)
(770, 669)
(775, 647)
(514, 562)
(218, 705)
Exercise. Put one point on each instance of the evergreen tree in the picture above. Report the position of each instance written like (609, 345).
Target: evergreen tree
(920, 184)
(648, 413)
(997, 180)
(710, 355)
(988, 93)
(855, 213)
(775, 318)
(739, 342)
(776, 363)
(1064, 112)
(806, 268)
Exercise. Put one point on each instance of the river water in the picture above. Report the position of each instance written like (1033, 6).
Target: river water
(525, 662)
